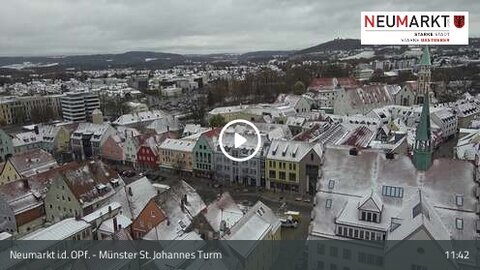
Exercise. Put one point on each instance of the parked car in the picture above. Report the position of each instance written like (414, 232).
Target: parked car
(288, 222)
(128, 173)
(294, 215)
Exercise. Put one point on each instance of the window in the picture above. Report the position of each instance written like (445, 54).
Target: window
(321, 249)
(272, 174)
(282, 176)
(459, 223)
(331, 184)
(328, 203)
(347, 254)
(292, 177)
(333, 251)
(389, 191)
(362, 257)
(459, 200)
(364, 216)
(379, 260)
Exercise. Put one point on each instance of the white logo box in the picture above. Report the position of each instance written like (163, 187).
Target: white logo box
(414, 28)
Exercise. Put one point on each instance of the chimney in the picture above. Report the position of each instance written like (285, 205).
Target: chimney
(36, 129)
(185, 199)
(115, 224)
(26, 185)
(109, 209)
(130, 192)
(182, 205)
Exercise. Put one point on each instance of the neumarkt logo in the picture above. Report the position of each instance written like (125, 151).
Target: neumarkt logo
(405, 21)
(414, 28)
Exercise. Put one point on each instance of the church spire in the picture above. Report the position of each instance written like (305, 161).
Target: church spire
(424, 75)
(422, 153)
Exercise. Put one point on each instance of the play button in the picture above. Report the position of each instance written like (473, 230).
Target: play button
(240, 140)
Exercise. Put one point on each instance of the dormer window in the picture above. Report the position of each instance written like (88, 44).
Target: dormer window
(370, 209)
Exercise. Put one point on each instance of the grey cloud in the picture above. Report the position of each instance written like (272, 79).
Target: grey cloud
(52, 27)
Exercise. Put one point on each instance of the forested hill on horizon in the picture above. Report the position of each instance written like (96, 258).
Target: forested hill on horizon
(154, 60)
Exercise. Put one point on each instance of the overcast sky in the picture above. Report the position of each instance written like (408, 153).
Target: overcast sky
(59, 27)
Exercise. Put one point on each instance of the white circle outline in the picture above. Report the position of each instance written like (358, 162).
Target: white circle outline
(257, 148)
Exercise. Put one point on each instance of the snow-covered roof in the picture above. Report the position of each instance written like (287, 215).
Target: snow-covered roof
(178, 217)
(107, 225)
(448, 186)
(58, 231)
(224, 209)
(291, 150)
(113, 206)
(140, 117)
(178, 145)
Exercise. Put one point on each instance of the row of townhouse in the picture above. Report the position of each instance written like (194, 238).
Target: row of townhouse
(279, 164)
(44, 192)
(55, 139)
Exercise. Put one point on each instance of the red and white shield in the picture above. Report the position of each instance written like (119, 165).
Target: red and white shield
(459, 21)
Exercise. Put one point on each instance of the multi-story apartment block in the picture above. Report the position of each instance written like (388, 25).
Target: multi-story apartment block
(203, 153)
(78, 106)
(86, 141)
(249, 172)
(293, 166)
(14, 110)
(176, 154)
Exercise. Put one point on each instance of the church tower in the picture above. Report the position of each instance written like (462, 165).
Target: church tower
(422, 153)
(424, 75)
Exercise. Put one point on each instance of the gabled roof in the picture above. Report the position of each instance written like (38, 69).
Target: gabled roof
(418, 213)
(139, 193)
(140, 117)
(292, 150)
(177, 145)
(224, 209)
(33, 161)
(90, 181)
(371, 202)
(179, 217)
